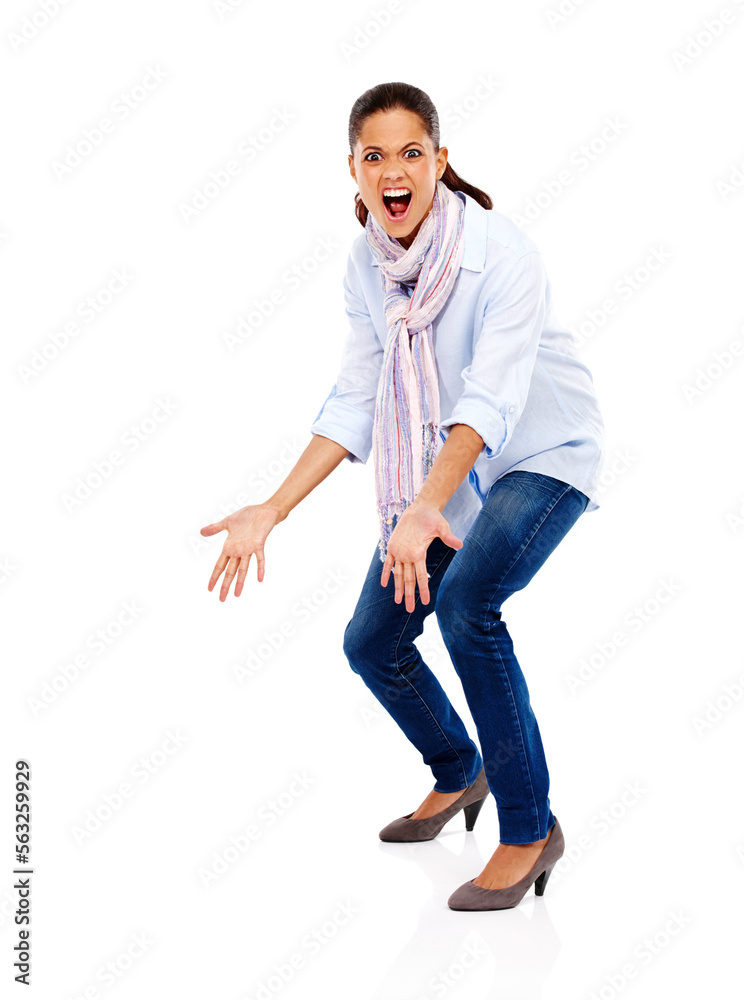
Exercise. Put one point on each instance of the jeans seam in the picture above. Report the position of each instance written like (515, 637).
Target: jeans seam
(515, 713)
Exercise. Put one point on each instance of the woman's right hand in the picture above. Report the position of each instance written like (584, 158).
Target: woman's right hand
(247, 531)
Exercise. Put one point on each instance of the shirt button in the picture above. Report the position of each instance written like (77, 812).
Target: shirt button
(389, 521)
(511, 409)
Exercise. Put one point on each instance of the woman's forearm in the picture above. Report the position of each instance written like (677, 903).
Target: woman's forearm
(452, 464)
(316, 462)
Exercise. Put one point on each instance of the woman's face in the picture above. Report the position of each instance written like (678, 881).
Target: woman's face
(394, 153)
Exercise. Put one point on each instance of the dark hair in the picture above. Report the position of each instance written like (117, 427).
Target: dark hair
(388, 97)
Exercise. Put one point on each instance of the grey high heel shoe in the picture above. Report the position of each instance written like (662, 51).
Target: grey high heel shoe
(474, 897)
(405, 829)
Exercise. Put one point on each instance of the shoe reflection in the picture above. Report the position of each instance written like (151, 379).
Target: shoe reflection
(505, 954)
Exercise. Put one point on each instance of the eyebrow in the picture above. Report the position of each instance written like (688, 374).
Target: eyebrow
(380, 149)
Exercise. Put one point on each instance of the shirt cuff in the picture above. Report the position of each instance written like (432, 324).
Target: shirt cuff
(347, 425)
(494, 425)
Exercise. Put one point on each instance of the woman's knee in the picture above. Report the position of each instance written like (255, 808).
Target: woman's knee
(364, 639)
(461, 608)
(355, 641)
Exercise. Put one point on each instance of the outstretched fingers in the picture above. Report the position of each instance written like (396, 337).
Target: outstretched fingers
(217, 571)
(245, 562)
(423, 581)
(232, 569)
(413, 572)
(242, 572)
(409, 583)
(406, 576)
(260, 562)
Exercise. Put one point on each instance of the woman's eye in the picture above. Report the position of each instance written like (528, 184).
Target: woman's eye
(417, 153)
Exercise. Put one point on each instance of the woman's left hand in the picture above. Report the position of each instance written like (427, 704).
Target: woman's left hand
(417, 526)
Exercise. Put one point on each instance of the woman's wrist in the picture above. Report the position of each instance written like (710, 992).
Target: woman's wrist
(421, 504)
(280, 509)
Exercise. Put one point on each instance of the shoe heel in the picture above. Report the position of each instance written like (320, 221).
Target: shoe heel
(542, 880)
(471, 812)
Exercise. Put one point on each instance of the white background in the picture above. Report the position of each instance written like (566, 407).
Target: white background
(519, 92)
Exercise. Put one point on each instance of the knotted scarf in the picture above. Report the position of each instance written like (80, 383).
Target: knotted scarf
(406, 424)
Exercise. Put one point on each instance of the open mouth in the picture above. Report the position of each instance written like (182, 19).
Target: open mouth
(397, 206)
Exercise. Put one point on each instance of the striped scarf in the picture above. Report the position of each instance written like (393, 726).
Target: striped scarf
(406, 425)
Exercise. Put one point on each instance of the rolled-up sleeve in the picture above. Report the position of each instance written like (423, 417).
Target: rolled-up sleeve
(497, 380)
(347, 415)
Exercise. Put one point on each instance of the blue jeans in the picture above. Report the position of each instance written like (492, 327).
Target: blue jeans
(524, 517)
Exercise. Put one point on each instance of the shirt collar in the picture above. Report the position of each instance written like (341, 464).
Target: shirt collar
(475, 231)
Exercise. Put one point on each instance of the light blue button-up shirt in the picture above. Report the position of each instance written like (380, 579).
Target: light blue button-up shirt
(506, 367)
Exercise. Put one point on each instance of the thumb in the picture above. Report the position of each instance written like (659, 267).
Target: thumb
(212, 529)
(448, 538)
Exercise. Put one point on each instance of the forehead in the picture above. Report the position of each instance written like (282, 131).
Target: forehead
(392, 129)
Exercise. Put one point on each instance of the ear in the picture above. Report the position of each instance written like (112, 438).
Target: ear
(442, 161)
(352, 171)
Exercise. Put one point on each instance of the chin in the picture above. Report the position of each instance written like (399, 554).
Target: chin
(399, 231)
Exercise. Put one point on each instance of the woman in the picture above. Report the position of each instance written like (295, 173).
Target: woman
(487, 445)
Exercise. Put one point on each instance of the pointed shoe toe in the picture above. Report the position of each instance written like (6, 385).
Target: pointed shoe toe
(470, 896)
(399, 829)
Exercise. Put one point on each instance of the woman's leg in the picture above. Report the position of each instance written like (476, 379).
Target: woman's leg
(379, 646)
(523, 518)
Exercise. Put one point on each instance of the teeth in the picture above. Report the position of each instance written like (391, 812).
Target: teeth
(395, 192)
